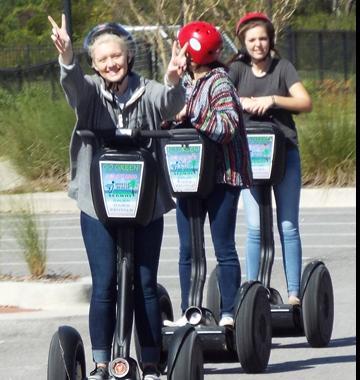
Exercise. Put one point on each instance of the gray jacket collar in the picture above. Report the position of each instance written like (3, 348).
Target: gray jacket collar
(136, 84)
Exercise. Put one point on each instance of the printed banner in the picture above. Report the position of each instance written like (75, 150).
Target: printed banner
(183, 163)
(121, 183)
(261, 154)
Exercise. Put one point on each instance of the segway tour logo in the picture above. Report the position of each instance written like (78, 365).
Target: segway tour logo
(183, 163)
(261, 154)
(120, 184)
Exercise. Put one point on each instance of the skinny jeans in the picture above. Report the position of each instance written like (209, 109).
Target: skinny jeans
(100, 244)
(287, 199)
(221, 207)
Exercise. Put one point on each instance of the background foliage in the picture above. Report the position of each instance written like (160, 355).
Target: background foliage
(36, 122)
(25, 21)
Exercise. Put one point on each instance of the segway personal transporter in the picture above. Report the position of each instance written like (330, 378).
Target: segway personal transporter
(190, 161)
(315, 314)
(124, 185)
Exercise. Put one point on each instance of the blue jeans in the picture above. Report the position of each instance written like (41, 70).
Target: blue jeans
(287, 198)
(221, 207)
(100, 246)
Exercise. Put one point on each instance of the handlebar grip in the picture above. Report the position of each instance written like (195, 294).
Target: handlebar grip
(85, 133)
(155, 133)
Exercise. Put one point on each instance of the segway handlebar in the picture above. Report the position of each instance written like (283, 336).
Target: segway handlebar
(126, 133)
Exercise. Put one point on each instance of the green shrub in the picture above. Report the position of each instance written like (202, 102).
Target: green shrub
(327, 136)
(35, 127)
(33, 243)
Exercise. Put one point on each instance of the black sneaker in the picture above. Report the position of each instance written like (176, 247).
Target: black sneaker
(99, 373)
(151, 373)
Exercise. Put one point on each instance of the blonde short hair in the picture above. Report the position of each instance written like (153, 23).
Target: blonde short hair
(107, 37)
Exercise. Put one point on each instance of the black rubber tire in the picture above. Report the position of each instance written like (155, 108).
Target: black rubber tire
(166, 311)
(318, 308)
(189, 361)
(56, 369)
(213, 298)
(253, 332)
(275, 297)
(166, 308)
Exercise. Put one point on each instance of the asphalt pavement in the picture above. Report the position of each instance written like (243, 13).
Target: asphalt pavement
(327, 222)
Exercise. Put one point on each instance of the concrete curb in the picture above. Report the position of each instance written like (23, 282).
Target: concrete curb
(59, 202)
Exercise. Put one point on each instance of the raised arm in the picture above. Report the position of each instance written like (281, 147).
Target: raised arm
(177, 64)
(62, 40)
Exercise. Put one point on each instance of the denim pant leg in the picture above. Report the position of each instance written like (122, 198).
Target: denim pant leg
(222, 206)
(252, 215)
(147, 311)
(183, 226)
(101, 251)
(287, 197)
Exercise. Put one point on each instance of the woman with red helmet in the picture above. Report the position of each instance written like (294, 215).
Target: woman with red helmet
(116, 97)
(270, 88)
(213, 108)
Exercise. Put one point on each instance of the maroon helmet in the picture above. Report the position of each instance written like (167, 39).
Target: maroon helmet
(251, 16)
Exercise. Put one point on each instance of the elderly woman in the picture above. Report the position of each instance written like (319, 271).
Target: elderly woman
(116, 97)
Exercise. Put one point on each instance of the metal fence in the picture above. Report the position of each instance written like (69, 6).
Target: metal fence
(321, 54)
(315, 54)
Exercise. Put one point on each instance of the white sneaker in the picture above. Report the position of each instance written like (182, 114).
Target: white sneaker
(180, 322)
(293, 300)
(227, 321)
(151, 373)
(151, 376)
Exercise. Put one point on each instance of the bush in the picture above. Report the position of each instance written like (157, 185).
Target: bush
(327, 135)
(36, 125)
(33, 243)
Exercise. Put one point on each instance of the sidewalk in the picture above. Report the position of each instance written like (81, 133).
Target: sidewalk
(59, 202)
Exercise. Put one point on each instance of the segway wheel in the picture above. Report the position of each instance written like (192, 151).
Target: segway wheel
(253, 330)
(66, 360)
(318, 308)
(213, 298)
(166, 311)
(189, 363)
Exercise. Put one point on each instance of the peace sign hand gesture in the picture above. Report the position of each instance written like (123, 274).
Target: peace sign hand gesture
(62, 40)
(177, 64)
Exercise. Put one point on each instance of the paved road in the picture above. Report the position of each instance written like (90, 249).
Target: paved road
(328, 234)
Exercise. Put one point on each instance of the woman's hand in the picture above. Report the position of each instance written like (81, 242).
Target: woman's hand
(257, 105)
(181, 115)
(62, 40)
(177, 64)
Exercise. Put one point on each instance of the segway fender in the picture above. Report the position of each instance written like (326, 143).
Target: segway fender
(244, 288)
(69, 338)
(176, 343)
(309, 269)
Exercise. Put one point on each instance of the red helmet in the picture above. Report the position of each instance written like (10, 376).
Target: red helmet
(204, 40)
(251, 16)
